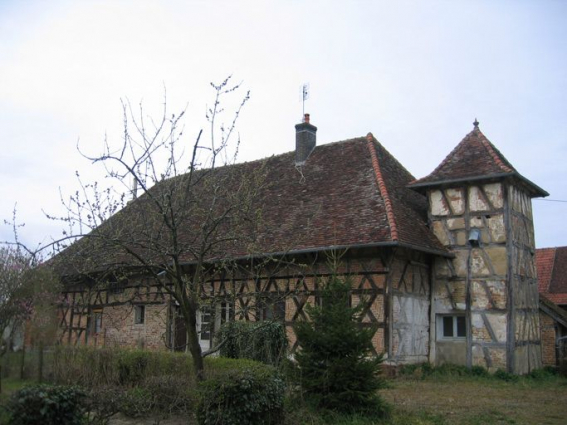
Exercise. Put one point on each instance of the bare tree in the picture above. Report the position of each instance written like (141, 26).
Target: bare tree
(15, 301)
(192, 210)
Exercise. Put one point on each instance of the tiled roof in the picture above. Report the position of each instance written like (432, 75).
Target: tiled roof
(551, 308)
(544, 264)
(552, 273)
(347, 194)
(474, 158)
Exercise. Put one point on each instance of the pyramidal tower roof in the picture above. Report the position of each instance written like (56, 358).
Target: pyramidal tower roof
(475, 158)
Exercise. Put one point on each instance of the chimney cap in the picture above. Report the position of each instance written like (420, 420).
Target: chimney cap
(306, 118)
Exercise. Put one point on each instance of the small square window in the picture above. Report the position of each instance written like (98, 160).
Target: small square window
(451, 327)
(139, 313)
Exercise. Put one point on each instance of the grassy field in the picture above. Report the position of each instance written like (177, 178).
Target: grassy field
(472, 401)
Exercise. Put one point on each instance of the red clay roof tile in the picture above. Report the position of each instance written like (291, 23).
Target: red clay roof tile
(347, 193)
(552, 273)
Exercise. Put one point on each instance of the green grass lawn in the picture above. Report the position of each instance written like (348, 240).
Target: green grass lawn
(472, 401)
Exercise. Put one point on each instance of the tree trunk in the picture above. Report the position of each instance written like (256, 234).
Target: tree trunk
(194, 346)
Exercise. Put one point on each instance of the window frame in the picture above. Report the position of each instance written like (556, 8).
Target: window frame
(455, 319)
(273, 308)
(139, 314)
(96, 321)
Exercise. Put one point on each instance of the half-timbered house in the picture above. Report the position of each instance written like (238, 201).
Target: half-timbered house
(444, 265)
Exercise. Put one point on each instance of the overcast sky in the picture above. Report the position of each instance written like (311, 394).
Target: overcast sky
(414, 73)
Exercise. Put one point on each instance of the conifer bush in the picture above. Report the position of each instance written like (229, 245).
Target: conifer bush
(337, 367)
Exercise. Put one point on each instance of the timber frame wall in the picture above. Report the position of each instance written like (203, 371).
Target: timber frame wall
(491, 282)
(393, 284)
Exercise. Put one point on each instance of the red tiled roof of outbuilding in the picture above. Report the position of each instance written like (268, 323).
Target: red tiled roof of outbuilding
(544, 264)
(552, 273)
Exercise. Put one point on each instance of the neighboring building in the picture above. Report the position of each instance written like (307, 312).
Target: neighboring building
(444, 265)
(552, 282)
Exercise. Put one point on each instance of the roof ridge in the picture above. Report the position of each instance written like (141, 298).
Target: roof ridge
(492, 152)
(382, 187)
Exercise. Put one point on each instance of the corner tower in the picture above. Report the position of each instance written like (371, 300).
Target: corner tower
(484, 300)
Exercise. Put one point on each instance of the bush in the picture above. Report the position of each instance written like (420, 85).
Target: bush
(505, 376)
(424, 370)
(47, 405)
(93, 367)
(264, 341)
(136, 402)
(548, 372)
(103, 402)
(170, 393)
(250, 393)
(338, 369)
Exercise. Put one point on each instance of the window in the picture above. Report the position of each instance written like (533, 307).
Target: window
(451, 327)
(205, 321)
(97, 321)
(273, 309)
(139, 313)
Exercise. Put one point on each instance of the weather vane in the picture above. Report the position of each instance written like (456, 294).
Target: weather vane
(304, 95)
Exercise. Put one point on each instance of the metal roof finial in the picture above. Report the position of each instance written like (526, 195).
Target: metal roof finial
(475, 123)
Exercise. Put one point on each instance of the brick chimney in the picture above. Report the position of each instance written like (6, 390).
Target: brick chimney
(305, 140)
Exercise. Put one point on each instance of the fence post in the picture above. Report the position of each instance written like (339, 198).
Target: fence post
(40, 363)
(23, 362)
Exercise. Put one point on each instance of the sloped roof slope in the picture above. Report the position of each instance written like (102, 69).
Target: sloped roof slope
(347, 194)
(551, 266)
(475, 158)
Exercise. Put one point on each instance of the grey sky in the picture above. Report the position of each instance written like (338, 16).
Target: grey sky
(414, 73)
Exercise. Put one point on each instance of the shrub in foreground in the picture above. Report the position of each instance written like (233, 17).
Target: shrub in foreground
(47, 405)
(250, 393)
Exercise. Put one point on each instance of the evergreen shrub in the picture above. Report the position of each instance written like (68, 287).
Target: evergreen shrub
(264, 341)
(248, 393)
(47, 405)
(337, 365)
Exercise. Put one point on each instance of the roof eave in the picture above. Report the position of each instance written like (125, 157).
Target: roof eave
(388, 244)
(552, 310)
(535, 190)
